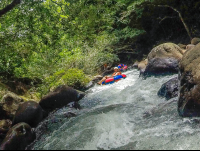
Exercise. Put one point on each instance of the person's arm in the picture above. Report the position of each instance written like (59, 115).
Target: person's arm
(113, 74)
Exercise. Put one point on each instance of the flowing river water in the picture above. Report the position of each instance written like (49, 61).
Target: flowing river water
(127, 115)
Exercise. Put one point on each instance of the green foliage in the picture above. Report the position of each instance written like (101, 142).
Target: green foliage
(128, 33)
(42, 38)
(73, 77)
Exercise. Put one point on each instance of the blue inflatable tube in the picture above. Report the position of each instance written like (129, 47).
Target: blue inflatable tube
(118, 77)
(115, 79)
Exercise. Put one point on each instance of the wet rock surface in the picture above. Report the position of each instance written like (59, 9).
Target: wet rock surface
(62, 96)
(164, 59)
(18, 137)
(42, 128)
(189, 100)
(161, 66)
(170, 89)
(30, 113)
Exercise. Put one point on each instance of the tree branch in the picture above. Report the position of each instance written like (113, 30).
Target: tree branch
(180, 16)
(9, 7)
(166, 17)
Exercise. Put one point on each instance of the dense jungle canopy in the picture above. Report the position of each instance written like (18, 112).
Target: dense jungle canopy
(67, 41)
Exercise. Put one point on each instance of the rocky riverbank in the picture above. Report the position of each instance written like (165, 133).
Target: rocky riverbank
(19, 117)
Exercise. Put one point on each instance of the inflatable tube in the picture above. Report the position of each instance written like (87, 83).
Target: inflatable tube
(115, 79)
(122, 67)
(124, 76)
(118, 77)
(126, 67)
(109, 80)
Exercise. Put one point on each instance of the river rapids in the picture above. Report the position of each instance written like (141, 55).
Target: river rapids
(127, 115)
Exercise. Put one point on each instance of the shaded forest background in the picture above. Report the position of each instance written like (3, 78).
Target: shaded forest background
(46, 43)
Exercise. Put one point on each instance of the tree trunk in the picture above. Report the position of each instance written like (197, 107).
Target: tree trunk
(182, 20)
(9, 7)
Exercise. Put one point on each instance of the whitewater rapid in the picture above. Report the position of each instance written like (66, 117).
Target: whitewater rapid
(127, 115)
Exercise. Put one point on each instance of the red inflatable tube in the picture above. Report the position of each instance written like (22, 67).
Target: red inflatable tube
(112, 80)
(123, 75)
(109, 80)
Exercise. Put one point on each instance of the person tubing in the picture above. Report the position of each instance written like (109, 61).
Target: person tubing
(122, 67)
(115, 79)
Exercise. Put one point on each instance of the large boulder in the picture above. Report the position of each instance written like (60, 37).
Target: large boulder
(9, 105)
(195, 41)
(5, 125)
(164, 59)
(62, 96)
(189, 47)
(30, 113)
(18, 137)
(189, 100)
(169, 89)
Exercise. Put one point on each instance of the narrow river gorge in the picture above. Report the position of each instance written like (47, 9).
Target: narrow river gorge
(125, 115)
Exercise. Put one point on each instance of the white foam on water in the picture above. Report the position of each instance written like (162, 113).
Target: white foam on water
(113, 118)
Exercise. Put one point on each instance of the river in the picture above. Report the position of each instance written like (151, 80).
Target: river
(127, 115)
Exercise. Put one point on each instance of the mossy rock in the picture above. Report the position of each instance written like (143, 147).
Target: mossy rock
(9, 105)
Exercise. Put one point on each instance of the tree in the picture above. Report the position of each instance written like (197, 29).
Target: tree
(9, 7)
(181, 18)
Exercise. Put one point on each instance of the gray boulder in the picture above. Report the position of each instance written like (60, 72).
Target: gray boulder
(170, 89)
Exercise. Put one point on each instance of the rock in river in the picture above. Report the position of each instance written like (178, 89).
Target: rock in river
(18, 137)
(62, 96)
(164, 59)
(30, 113)
(189, 100)
(170, 89)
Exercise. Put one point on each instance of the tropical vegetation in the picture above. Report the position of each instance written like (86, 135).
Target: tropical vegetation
(68, 42)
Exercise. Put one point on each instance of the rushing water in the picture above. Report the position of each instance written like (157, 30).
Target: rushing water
(125, 115)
